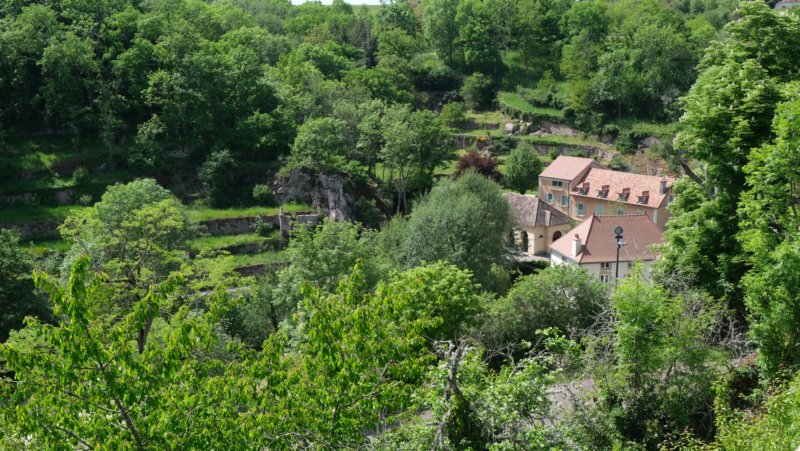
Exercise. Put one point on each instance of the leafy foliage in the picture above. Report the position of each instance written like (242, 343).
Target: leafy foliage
(465, 222)
(561, 297)
(523, 167)
(479, 163)
(17, 296)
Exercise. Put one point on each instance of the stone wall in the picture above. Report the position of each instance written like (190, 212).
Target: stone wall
(35, 230)
(236, 226)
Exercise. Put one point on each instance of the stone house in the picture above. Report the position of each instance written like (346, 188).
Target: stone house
(592, 245)
(581, 187)
(558, 179)
(536, 224)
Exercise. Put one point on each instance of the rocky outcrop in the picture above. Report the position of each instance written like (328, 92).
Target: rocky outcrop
(564, 149)
(557, 129)
(325, 193)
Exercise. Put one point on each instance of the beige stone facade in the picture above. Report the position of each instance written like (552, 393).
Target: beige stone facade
(581, 187)
(536, 224)
(539, 239)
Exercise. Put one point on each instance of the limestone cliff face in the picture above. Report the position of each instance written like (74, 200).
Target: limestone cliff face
(324, 193)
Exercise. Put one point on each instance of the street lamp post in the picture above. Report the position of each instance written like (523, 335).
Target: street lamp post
(618, 235)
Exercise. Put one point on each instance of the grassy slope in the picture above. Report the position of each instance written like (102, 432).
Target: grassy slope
(198, 213)
(37, 213)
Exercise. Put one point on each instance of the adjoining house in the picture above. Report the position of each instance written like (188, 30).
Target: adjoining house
(592, 245)
(537, 224)
(787, 4)
(606, 192)
(581, 187)
(558, 179)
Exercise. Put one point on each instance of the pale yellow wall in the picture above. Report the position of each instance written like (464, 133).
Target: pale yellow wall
(541, 238)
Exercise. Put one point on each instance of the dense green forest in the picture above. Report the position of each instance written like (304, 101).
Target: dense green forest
(168, 281)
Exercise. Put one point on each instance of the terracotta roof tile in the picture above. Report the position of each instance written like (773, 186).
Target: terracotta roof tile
(599, 245)
(568, 168)
(617, 182)
(530, 211)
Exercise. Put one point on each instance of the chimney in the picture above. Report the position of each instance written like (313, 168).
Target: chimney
(663, 186)
(576, 245)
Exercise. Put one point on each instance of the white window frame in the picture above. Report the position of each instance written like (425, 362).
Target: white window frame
(605, 265)
(580, 209)
(605, 278)
(557, 184)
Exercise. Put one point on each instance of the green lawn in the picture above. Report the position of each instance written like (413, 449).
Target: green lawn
(43, 247)
(223, 241)
(487, 117)
(37, 213)
(264, 258)
(657, 129)
(199, 214)
(518, 75)
(516, 101)
(545, 140)
(45, 153)
(50, 182)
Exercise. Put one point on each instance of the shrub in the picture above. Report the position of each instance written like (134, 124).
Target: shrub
(262, 227)
(453, 113)
(262, 195)
(523, 168)
(478, 91)
(85, 199)
(80, 175)
(617, 163)
(436, 78)
(564, 297)
(482, 164)
(218, 175)
(504, 144)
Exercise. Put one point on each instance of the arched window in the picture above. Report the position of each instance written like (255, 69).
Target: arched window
(557, 235)
(523, 242)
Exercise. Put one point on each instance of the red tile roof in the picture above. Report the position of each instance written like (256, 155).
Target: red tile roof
(531, 211)
(568, 168)
(598, 242)
(617, 182)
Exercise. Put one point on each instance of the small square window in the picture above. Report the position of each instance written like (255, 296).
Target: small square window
(599, 210)
(557, 183)
(605, 265)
